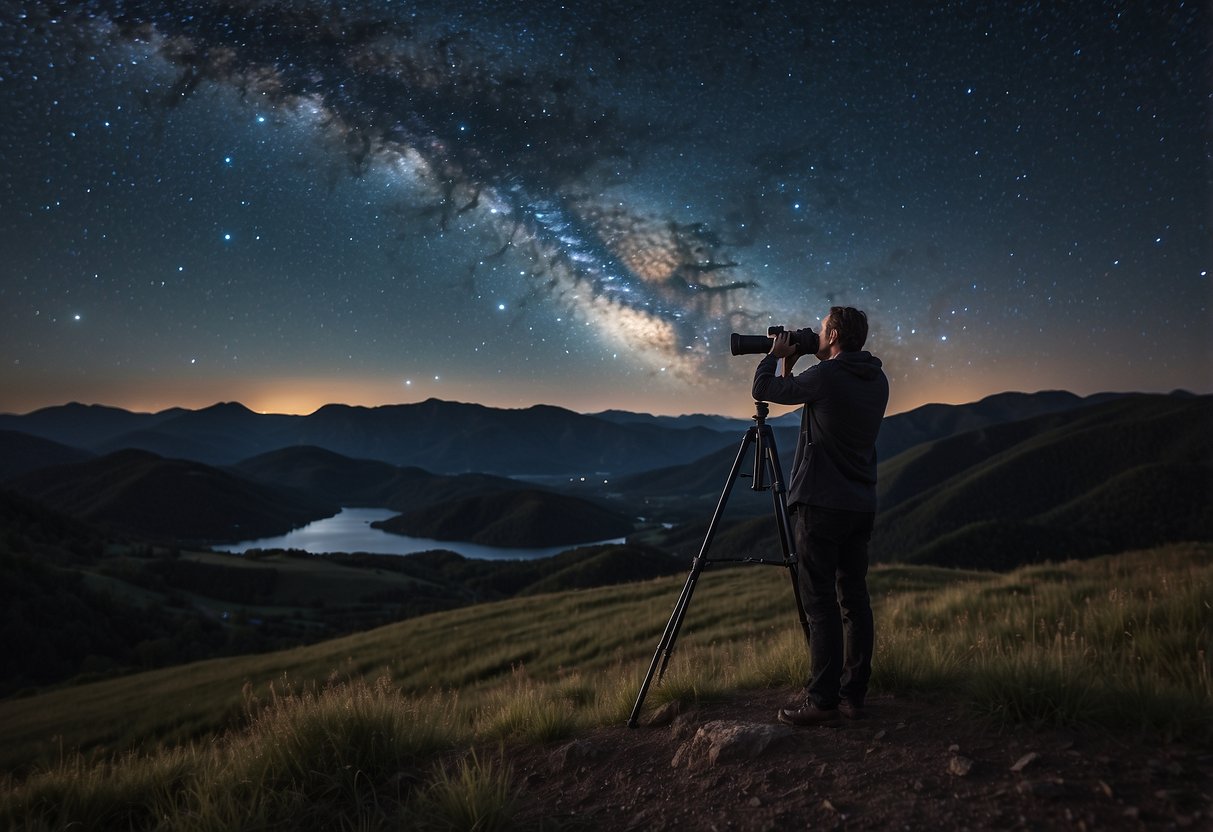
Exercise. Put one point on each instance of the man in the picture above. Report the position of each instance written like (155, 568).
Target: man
(832, 504)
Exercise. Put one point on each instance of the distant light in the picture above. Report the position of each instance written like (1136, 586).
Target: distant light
(227, 237)
(76, 317)
(501, 306)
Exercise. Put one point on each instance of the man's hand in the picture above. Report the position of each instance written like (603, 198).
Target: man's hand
(785, 349)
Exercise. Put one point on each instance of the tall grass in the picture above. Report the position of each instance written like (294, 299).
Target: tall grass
(1119, 642)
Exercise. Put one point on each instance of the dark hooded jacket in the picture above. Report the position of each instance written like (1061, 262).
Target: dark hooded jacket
(844, 401)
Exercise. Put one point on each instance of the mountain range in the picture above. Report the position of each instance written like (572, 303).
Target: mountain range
(92, 587)
(101, 464)
(439, 436)
(452, 437)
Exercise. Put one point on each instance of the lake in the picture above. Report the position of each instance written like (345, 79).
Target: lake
(350, 531)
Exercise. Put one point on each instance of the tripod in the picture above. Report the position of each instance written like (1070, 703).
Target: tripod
(766, 459)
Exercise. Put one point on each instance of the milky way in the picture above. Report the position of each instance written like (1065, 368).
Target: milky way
(533, 202)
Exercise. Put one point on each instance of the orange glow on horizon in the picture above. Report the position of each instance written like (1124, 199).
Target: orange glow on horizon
(304, 395)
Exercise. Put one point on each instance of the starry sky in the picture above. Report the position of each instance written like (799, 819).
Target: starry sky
(294, 203)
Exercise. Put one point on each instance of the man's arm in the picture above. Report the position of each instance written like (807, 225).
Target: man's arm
(770, 387)
(788, 389)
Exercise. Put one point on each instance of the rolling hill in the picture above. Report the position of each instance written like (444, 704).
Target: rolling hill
(1104, 478)
(935, 421)
(138, 492)
(1128, 471)
(21, 452)
(695, 486)
(522, 519)
(365, 482)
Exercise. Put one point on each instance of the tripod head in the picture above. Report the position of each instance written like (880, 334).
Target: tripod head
(761, 411)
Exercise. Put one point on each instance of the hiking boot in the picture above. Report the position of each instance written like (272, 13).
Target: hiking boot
(806, 715)
(852, 711)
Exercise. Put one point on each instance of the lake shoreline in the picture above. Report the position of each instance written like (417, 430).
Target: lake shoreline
(350, 531)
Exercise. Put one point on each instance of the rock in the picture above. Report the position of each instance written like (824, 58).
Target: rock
(720, 742)
(1025, 761)
(960, 766)
(664, 715)
(682, 757)
(683, 725)
(755, 802)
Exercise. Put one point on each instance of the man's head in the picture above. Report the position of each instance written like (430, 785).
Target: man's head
(844, 329)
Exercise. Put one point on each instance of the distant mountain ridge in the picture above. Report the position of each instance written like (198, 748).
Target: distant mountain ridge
(439, 436)
(451, 437)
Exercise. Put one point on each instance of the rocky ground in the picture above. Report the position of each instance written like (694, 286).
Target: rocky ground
(913, 764)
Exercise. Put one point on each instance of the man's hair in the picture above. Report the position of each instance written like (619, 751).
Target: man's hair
(851, 324)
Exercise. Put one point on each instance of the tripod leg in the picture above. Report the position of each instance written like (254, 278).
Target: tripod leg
(786, 539)
(665, 647)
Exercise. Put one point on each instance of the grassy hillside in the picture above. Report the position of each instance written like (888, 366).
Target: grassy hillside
(322, 736)
(1086, 621)
(75, 602)
(1136, 471)
(1133, 472)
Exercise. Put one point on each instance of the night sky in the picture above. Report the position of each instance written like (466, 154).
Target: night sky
(511, 203)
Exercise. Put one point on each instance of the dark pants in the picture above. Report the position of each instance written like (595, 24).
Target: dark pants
(832, 550)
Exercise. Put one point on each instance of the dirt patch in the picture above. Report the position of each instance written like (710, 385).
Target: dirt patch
(912, 764)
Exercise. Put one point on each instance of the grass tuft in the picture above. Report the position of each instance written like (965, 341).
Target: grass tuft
(475, 795)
